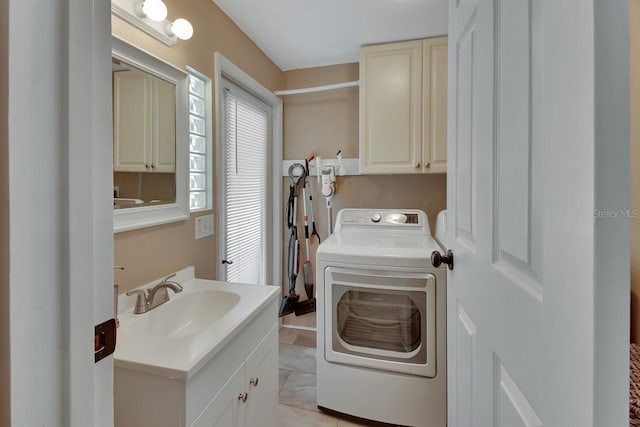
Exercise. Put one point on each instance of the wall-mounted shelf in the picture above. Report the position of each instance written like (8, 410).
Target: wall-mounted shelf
(349, 166)
(317, 88)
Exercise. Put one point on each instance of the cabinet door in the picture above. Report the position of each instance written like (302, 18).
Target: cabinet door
(434, 69)
(164, 126)
(261, 376)
(227, 407)
(391, 108)
(131, 121)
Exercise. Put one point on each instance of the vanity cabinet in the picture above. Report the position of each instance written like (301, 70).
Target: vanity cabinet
(237, 387)
(403, 107)
(250, 397)
(144, 118)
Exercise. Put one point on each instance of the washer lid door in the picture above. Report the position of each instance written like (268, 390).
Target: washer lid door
(381, 320)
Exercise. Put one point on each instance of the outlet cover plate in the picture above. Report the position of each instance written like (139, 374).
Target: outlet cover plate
(204, 226)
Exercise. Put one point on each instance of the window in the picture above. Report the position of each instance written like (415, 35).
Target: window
(271, 270)
(246, 205)
(200, 173)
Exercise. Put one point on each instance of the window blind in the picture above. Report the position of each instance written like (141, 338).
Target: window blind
(247, 187)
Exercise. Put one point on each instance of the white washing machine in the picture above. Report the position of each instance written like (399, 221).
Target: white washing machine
(381, 319)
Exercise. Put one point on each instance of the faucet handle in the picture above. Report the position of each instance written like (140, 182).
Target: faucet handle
(141, 300)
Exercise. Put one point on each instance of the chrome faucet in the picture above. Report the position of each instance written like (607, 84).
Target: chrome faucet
(148, 299)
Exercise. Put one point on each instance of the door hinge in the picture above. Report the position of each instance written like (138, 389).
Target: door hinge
(104, 342)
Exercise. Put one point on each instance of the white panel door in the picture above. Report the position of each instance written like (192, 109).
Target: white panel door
(522, 344)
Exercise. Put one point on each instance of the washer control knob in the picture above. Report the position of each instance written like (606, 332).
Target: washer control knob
(376, 217)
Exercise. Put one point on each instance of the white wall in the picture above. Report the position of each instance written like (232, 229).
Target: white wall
(5, 368)
(634, 59)
(60, 228)
(35, 158)
(612, 260)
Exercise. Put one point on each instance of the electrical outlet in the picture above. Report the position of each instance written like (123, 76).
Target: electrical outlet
(204, 226)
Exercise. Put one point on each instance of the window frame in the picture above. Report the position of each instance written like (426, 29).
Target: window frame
(225, 68)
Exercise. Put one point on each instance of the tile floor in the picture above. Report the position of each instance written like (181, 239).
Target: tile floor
(298, 383)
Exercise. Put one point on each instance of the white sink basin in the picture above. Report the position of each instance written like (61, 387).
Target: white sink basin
(184, 315)
(178, 337)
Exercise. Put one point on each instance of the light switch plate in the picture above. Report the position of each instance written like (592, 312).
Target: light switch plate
(204, 226)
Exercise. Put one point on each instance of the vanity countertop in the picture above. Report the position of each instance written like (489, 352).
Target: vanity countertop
(179, 337)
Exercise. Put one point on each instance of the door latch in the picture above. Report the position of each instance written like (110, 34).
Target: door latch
(104, 341)
(437, 259)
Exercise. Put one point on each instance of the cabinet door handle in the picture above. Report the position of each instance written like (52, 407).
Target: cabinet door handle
(153, 165)
(427, 165)
(243, 397)
(146, 165)
(417, 165)
(254, 381)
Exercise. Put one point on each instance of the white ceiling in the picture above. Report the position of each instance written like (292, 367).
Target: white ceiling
(309, 33)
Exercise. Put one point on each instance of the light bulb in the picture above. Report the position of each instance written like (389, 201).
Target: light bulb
(182, 29)
(155, 10)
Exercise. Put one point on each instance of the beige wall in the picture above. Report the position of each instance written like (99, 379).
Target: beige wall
(634, 29)
(322, 122)
(153, 252)
(325, 122)
(5, 371)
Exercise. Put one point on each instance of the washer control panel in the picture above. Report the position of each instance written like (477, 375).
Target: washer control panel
(408, 218)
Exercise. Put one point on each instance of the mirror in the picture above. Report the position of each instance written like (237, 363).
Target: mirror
(144, 138)
(150, 151)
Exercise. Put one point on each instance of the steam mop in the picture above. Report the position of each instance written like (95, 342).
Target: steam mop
(289, 302)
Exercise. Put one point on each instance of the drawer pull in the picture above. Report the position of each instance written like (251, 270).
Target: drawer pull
(243, 397)
(254, 381)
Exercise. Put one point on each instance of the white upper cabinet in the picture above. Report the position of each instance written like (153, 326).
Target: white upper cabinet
(144, 123)
(434, 105)
(403, 111)
(131, 121)
(164, 129)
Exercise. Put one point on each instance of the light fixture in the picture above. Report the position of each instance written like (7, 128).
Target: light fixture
(150, 16)
(155, 10)
(181, 28)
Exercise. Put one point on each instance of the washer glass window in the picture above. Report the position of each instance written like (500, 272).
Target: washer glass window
(379, 320)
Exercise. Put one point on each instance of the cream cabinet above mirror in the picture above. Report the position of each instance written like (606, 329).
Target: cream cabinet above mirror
(150, 137)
